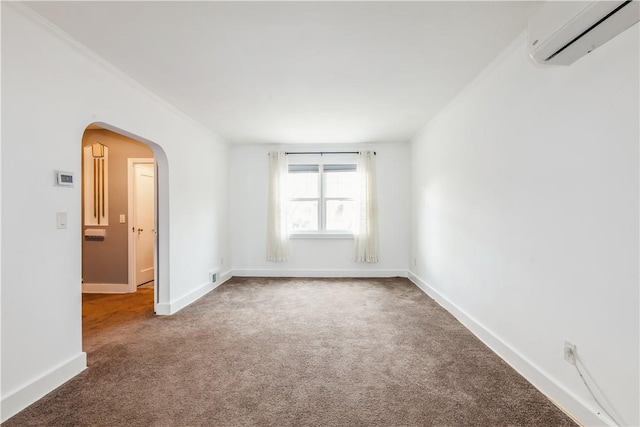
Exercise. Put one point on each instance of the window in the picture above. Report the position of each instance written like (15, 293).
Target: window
(321, 198)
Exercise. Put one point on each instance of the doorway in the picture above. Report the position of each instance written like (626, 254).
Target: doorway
(109, 296)
(116, 215)
(142, 232)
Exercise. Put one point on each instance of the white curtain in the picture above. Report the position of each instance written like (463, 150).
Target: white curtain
(366, 235)
(277, 235)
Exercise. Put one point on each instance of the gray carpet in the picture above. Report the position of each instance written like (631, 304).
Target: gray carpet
(289, 352)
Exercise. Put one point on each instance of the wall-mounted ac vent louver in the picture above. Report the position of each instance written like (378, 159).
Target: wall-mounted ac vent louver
(564, 31)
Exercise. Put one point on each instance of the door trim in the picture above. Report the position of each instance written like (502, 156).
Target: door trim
(131, 162)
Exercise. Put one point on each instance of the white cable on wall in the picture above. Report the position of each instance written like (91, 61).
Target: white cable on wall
(614, 419)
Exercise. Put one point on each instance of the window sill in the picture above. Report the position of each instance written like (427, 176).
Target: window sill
(324, 235)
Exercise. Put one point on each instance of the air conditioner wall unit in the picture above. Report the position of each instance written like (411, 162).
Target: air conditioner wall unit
(564, 31)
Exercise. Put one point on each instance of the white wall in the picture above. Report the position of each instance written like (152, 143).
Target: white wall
(51, 90)
(317, 257)
(525, 218)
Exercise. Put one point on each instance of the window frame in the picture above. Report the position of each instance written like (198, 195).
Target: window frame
(322, 232)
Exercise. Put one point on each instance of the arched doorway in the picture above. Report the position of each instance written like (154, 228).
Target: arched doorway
(122, 172)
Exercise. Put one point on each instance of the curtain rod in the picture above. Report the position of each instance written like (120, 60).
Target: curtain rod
(325, 152)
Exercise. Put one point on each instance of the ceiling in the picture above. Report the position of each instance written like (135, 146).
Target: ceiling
(298, 72)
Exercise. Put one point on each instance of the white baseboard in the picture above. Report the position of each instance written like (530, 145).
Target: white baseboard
(177, 305)
(318, 273)
(32, 392)
(106, 288)
(580, 411)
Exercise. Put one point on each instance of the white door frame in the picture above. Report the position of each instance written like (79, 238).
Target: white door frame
(131, 162)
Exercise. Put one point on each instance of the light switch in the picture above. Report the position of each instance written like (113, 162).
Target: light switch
(61, 220)
(122, 219)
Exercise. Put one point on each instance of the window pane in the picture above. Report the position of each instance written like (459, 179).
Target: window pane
(340, 184)
(340, 167)
(304, 168)
(303, 184)
(340, 215)
(303, 215)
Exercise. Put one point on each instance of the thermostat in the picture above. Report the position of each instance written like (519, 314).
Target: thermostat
(63, 179)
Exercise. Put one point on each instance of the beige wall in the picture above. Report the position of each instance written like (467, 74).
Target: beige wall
(107, 261)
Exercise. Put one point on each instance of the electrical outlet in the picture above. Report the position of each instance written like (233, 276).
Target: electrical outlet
(570, 352)
(415, 261)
